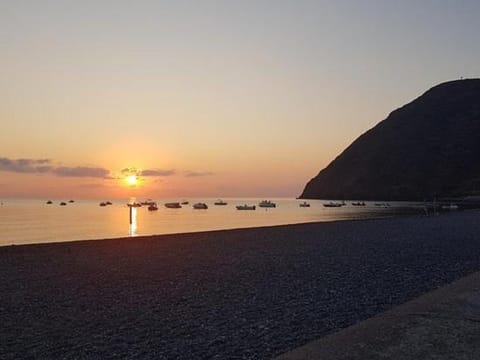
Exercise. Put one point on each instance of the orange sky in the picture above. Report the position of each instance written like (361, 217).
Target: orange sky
(226, 99)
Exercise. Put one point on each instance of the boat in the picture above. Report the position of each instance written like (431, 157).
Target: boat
(358, 203)
(153, 206)
(108, 203)
(450, 207)
(71, 201)
(103, 204)
(184, 202)
(246, 207)
(63, 203)
(135, 205)
(304, 204)
(333, 204)
(267, 204)
(172, 205)
(220, 202)
(49, 202)
(200, 206)
(147, 202)
(383, 205)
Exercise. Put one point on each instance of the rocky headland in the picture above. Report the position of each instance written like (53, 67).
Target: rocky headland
(426, 149)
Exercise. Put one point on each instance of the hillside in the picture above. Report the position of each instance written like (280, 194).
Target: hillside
(427, 148)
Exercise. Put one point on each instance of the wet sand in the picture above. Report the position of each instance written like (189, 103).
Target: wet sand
(236, 294)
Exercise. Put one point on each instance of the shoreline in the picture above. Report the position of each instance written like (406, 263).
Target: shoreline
(206, 232)
(201, 232)
(38, 223)
(250, 292)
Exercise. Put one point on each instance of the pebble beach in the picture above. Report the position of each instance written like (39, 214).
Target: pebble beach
(233, 294)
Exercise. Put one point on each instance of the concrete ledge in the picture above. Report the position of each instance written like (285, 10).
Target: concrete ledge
(442, 324)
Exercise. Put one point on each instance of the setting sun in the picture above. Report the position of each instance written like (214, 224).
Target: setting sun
(131, 180)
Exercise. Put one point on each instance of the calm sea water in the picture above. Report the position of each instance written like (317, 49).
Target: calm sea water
(33, 221)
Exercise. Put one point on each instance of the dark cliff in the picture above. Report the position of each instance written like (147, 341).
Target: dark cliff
(427, 148)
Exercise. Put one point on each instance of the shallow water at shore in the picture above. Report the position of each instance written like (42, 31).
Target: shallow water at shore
(33, 221)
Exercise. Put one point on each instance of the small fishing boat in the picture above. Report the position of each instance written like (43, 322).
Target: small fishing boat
(246, 207)
(108, 203)
(358, 203)
(332, 204)
(63, 203)
(153, 206)
(200, 206)
(135, 205)
(184, 202)
(49, 202)
(220, 202)
(71, 201)
(304, 204)
(450, 207)
(103, 204)
(172, 205)
(267, 204)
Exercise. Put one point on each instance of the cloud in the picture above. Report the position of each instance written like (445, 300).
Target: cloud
(43, 166)
(25, 165)
(157, 172)
(81, 171)
(198, 173)
(43, 169)
(147, 172)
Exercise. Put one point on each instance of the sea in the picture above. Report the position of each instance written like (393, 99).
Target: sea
(29, 221)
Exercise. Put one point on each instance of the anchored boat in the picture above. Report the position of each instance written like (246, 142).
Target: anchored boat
(246, 207)
(267, 204)
(200, 206)
(172, 205)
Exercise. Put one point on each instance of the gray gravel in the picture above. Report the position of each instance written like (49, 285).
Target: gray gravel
(238, 294)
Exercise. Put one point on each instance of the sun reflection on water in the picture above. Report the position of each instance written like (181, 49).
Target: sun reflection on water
(133, 221)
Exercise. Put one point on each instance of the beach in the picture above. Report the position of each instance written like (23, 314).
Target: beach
(442, 324)
(231, 294)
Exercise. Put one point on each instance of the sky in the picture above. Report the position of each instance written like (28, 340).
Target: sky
(209, 98)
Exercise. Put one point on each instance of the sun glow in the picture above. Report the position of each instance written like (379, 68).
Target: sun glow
(131, 180)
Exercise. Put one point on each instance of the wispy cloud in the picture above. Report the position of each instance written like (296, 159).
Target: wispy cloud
(198, 173)
(81, 171)
(148, 172)
(44, 166)
(25, 165)
(157, 172)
